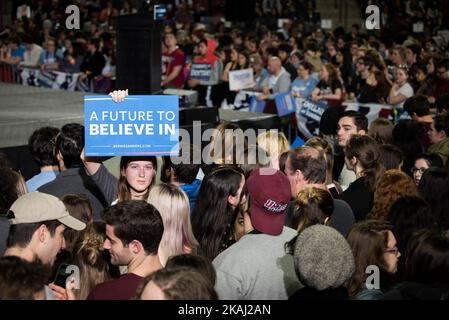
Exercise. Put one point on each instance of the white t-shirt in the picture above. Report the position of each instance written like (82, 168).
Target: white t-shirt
(407, 91)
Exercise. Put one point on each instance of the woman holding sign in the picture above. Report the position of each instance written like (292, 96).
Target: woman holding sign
(137, 176)
(137, 173)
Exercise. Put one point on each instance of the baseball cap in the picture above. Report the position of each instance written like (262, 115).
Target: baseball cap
(270, 193)
(38, 207)
(255, 58)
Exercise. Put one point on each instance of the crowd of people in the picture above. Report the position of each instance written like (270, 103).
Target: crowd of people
(248, 226)
(357, 212)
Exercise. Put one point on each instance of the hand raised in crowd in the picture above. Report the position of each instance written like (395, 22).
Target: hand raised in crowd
(119, 95)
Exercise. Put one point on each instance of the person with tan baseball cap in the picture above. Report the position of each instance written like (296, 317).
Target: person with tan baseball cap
(37, 223)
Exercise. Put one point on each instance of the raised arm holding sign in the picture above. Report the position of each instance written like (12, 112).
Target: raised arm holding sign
(138, 125)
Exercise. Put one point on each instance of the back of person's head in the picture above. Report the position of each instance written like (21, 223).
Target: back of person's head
(407, 215)
(323, 258)
(311, 162)
(274, 143)
(391, 186)
(213, 212)
(283, 160)
(442, 103)
(22, 280)
(136, 220)
(323, 145)
(368, 240)
(12, 186)
(4, 161)
(274, 52)
(78, 205)
(41, 146)
(441, 123)
(92, 260)
(226, 139)
(434, 188)
(366, 152)
(251, 158)
(181, 283)
(359, 119)
(311, 206)
(199, 263)
(418, 104)
(381, 130)
(407, 136)
(329, 121)
(173, 205)
(186, 166)
(391, 157)
(428, 258)
(70, 143)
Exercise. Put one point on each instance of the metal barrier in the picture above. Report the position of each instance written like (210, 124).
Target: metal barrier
(9, 73)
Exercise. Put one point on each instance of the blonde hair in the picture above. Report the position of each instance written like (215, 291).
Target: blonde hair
(88, 255)
(274, 143)
(173, 205)
(224, 143)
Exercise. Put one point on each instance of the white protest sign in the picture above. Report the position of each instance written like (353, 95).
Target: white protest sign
(241, 79)
(418, 27)
(326, 24)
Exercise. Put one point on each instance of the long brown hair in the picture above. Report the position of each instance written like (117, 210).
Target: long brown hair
(366, 150)
(368, 240)
(124, 194)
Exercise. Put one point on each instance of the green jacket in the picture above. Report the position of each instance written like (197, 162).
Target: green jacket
(442, 149)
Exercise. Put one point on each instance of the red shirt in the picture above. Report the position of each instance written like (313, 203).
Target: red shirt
(123, 288)
(171, 60)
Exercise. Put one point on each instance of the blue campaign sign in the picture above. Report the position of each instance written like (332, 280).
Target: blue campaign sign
(308, 116)
(140, 125)
(200, 71)
(256, 106)
(285, 104)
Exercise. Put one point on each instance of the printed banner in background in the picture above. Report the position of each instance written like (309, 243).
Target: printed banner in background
(256, 106)
(285, 104)
(308, 116)
(241, 79)
(46, 79)
(140, 125)
(372, 110)
(200, 71)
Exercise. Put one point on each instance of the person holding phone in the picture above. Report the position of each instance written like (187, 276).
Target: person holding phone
(38, 221)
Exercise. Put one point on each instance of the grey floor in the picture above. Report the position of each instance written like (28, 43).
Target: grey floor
(24, 109)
